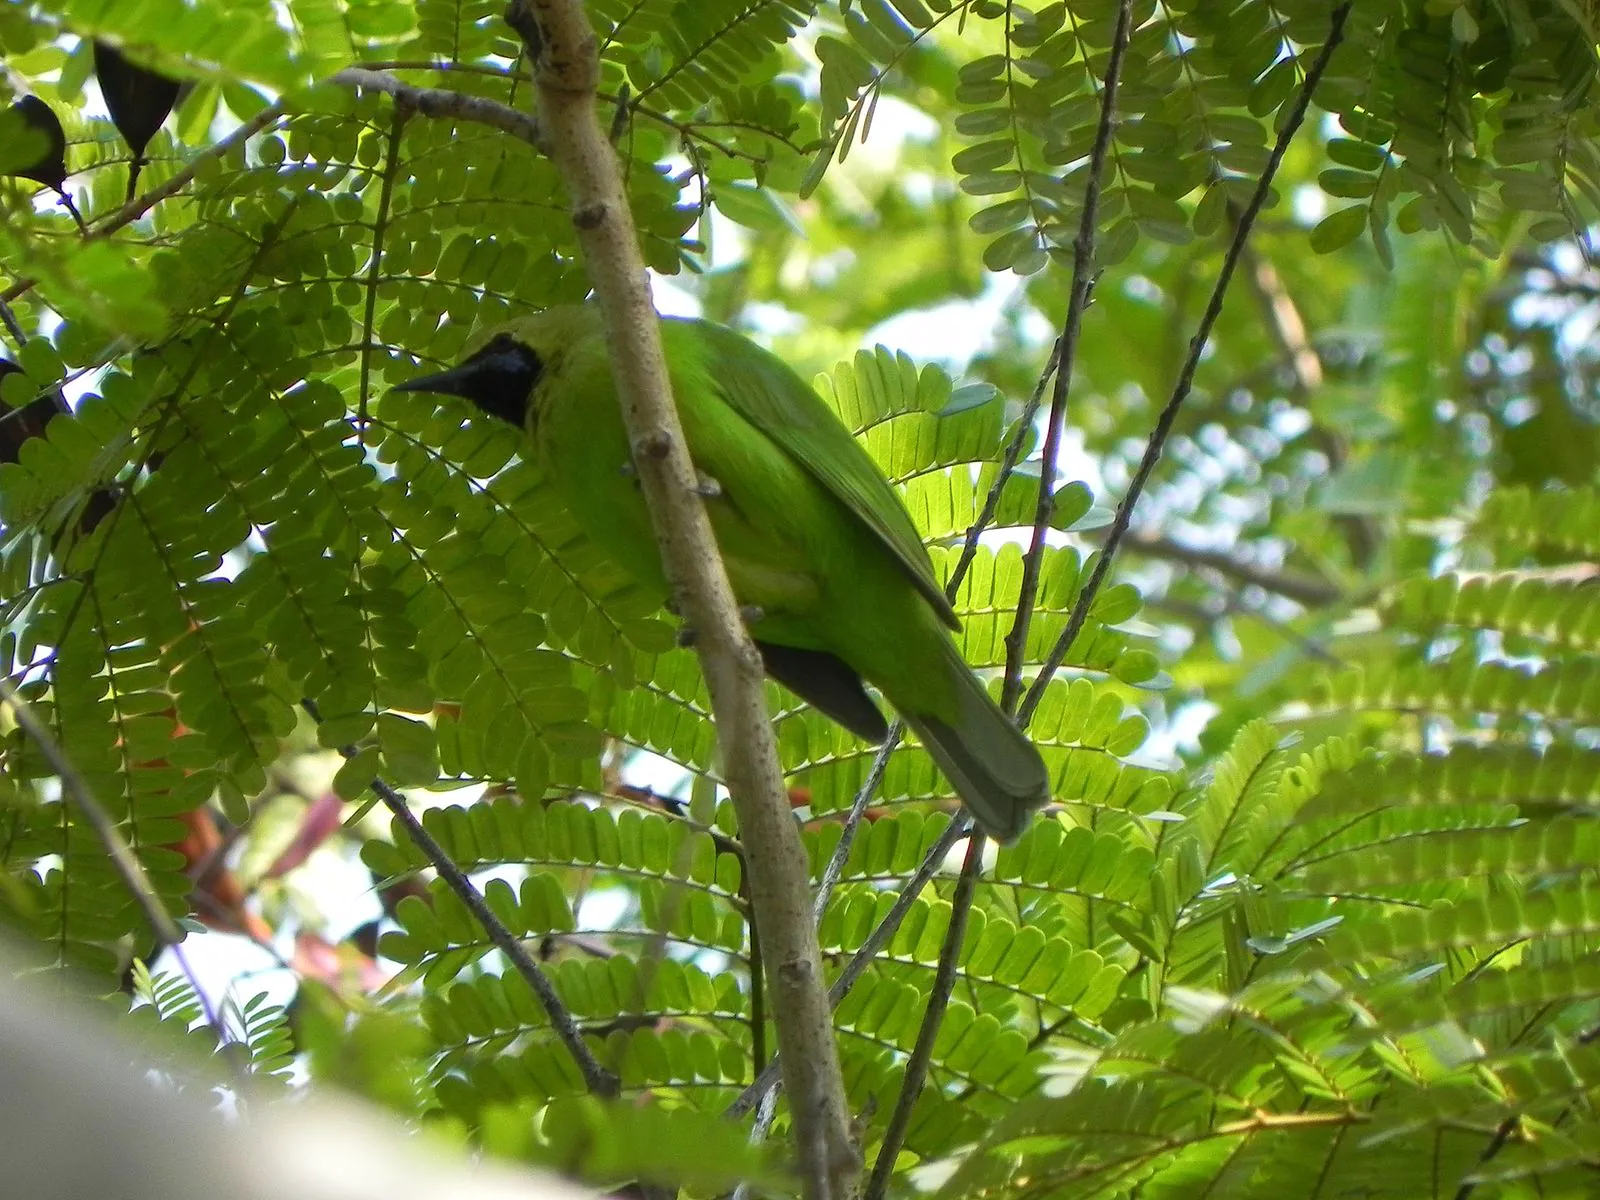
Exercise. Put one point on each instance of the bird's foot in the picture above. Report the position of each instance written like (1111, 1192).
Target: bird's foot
(707, 488)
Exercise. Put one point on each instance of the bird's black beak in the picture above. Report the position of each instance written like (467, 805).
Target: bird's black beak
(499, 379)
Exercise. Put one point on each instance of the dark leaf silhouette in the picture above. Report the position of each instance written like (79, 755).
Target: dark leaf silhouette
(34, 146)
(17, 425)
(31, 420)
(138, 99)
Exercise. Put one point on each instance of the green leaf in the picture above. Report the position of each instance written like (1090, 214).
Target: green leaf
(1339, 229)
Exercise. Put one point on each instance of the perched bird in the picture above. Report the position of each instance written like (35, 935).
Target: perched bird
(818, 546)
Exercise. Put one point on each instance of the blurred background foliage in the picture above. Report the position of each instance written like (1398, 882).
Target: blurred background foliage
(1314, 912)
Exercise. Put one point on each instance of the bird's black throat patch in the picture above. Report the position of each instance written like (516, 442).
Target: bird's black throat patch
(499, 379)
(503, 377)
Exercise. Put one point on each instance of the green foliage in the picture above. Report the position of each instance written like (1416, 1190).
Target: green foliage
(1341, 942)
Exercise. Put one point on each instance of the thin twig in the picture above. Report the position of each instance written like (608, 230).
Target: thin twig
(1083, 247)
(561, 45)
(123, 860)
(1065, 355)
(1180, 391)
(1502, 1135)
(380, 227)
(444, 104)
(430, 102)
(869, 787)
(944, 980)
(103, 227)
(596, 1077)
(868, 952)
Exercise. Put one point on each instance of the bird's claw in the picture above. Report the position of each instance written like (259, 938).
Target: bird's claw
(750, 613)
(707, 488)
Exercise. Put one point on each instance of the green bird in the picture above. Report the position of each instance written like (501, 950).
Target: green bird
(819, 549)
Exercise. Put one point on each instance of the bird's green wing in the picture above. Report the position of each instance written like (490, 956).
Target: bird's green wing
(768, 394)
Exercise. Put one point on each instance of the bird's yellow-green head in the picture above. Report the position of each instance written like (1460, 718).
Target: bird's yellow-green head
(504, 367)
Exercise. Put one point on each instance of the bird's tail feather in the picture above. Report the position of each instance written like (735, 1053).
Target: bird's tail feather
(993, 765)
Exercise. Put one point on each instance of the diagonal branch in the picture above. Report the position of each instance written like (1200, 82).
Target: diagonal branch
(130, 212)
(1309, 590)
(76, 788)
(123, 860)
(1180, 390)
(562, 46)
(596, 1077)
(944, 982)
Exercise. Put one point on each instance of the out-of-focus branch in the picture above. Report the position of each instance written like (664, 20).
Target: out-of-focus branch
(1288, 330)
(1284, 322)
(89, 1122)
(563, 50)
(1309, 590)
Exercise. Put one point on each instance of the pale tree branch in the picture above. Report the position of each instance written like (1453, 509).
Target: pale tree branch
(441, 103)
(81, 1116)
(564, 51)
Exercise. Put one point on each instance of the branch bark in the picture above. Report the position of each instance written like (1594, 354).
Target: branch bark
(564, 51)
